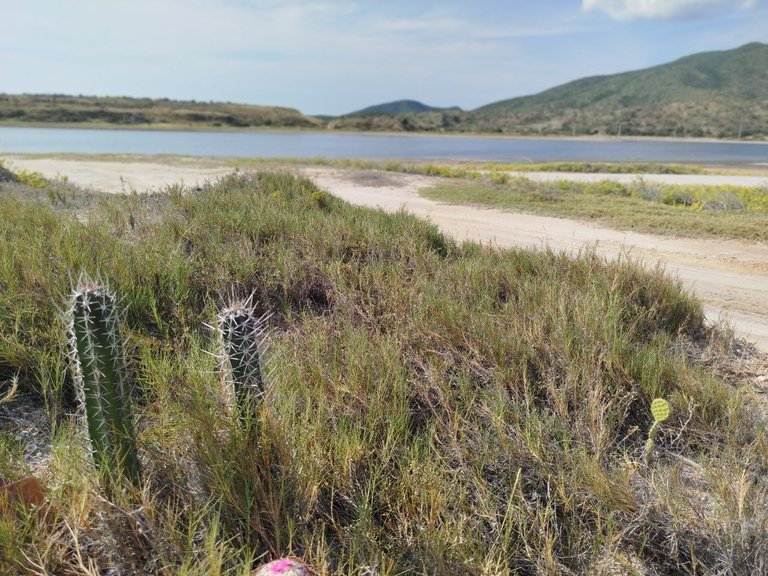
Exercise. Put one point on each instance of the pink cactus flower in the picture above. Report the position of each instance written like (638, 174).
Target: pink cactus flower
(284, 567)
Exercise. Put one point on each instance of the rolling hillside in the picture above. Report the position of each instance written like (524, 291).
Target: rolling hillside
(399, 107)
(711, 94)
(125, 111)
(716, 94)
(401, 116)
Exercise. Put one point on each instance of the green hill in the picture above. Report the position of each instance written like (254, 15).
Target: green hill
(401, 116)
(716, 94)
(56, 108)
(398, 107)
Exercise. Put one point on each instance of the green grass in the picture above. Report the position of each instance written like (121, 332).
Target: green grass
(433, 407)
(695, 211)
(478, 170)
(601, 167)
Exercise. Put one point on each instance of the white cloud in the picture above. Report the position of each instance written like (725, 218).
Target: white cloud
(412, 25)
(664, 9)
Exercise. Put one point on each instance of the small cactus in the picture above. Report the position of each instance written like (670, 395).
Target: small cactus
(99, 367)
(243, 345)
(660, 412)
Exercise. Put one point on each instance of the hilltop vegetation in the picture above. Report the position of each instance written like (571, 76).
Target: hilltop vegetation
(125, 111)
(715, 94)
(400, 116)
(399, 107)
(432, 407)
(444, 121)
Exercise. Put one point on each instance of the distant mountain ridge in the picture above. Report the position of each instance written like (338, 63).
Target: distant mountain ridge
(710, 94)
(399, 107)
(719, 94)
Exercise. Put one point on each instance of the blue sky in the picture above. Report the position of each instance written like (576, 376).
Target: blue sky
(336, 56)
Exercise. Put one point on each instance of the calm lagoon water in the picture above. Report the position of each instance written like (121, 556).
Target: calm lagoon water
(372, 146)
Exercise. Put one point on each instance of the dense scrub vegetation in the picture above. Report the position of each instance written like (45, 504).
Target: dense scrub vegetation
(431, 407)
(710, 94)
(123, 111)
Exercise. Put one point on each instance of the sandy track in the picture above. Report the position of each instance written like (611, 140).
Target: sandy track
(731, 278)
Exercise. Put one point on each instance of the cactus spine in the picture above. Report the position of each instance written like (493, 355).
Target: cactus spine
(243, 344)
(98, 361)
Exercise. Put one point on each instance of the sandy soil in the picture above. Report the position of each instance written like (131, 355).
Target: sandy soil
(731, 278)
(117, 177)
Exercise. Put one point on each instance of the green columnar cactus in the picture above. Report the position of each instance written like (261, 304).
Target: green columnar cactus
(99, 367)
(243, 344)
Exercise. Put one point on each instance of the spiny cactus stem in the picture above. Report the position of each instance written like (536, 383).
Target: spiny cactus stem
(242, 336)
(100, 372)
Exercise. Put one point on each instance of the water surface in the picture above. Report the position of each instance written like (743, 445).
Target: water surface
(274, 144)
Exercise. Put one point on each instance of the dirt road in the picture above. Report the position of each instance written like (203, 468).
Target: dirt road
(730, 278)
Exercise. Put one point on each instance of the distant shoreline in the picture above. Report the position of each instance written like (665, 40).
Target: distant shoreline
(292, 130)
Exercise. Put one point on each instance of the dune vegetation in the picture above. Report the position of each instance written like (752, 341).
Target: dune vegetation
(725, 211)
(430, 407)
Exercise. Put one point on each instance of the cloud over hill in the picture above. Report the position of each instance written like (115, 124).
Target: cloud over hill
(665, 9)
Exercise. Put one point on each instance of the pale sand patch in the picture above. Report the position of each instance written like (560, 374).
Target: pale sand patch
(730, 277)
(115, 177)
